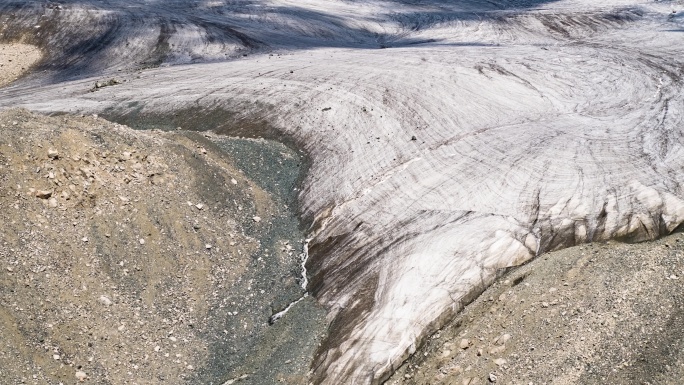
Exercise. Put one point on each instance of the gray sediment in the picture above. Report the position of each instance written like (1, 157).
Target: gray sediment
(243, 346)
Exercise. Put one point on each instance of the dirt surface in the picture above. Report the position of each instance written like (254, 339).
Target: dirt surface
(15, 60)
(596, 314)
(147, 257)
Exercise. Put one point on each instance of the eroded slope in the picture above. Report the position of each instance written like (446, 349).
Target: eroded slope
(146, 257)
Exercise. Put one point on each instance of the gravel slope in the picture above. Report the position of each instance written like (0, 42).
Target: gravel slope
(17, 59)
(131, 257)
(607, 313)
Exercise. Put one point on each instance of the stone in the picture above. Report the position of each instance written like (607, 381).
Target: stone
(81, 375)
(500, 361)
(256, 219)
(492, 377)
(502, 339)
(43, 194)
(52, 202)
(53, 154)
(104, 300)
(497, 350)
(464, 344)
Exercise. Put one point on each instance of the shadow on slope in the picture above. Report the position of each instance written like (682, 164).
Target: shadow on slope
(83, 38)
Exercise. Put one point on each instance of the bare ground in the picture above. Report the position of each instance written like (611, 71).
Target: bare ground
(15, 60)
(595, 314)
(132, 257)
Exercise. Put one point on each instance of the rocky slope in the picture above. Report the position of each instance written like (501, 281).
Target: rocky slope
(606, 313)
(148, 257)
(16, 60)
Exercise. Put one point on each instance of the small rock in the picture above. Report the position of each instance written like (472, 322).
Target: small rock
(142, 241)
(497, 350)
(55, 356)
(125, 156)
(52, 202)
(502, 339)
(544, 304)
(199, 206)
(464, 344)
(190, 367)
(84, 239)
(207, 246)
(233, 181)
(53, 154)
(492, 377)
(43, 194)
(456, 370)
(81, 376)
(157, 348)
(256, 219)
(173, 339)
(104, 300)
(500, 362)
(414, 138)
